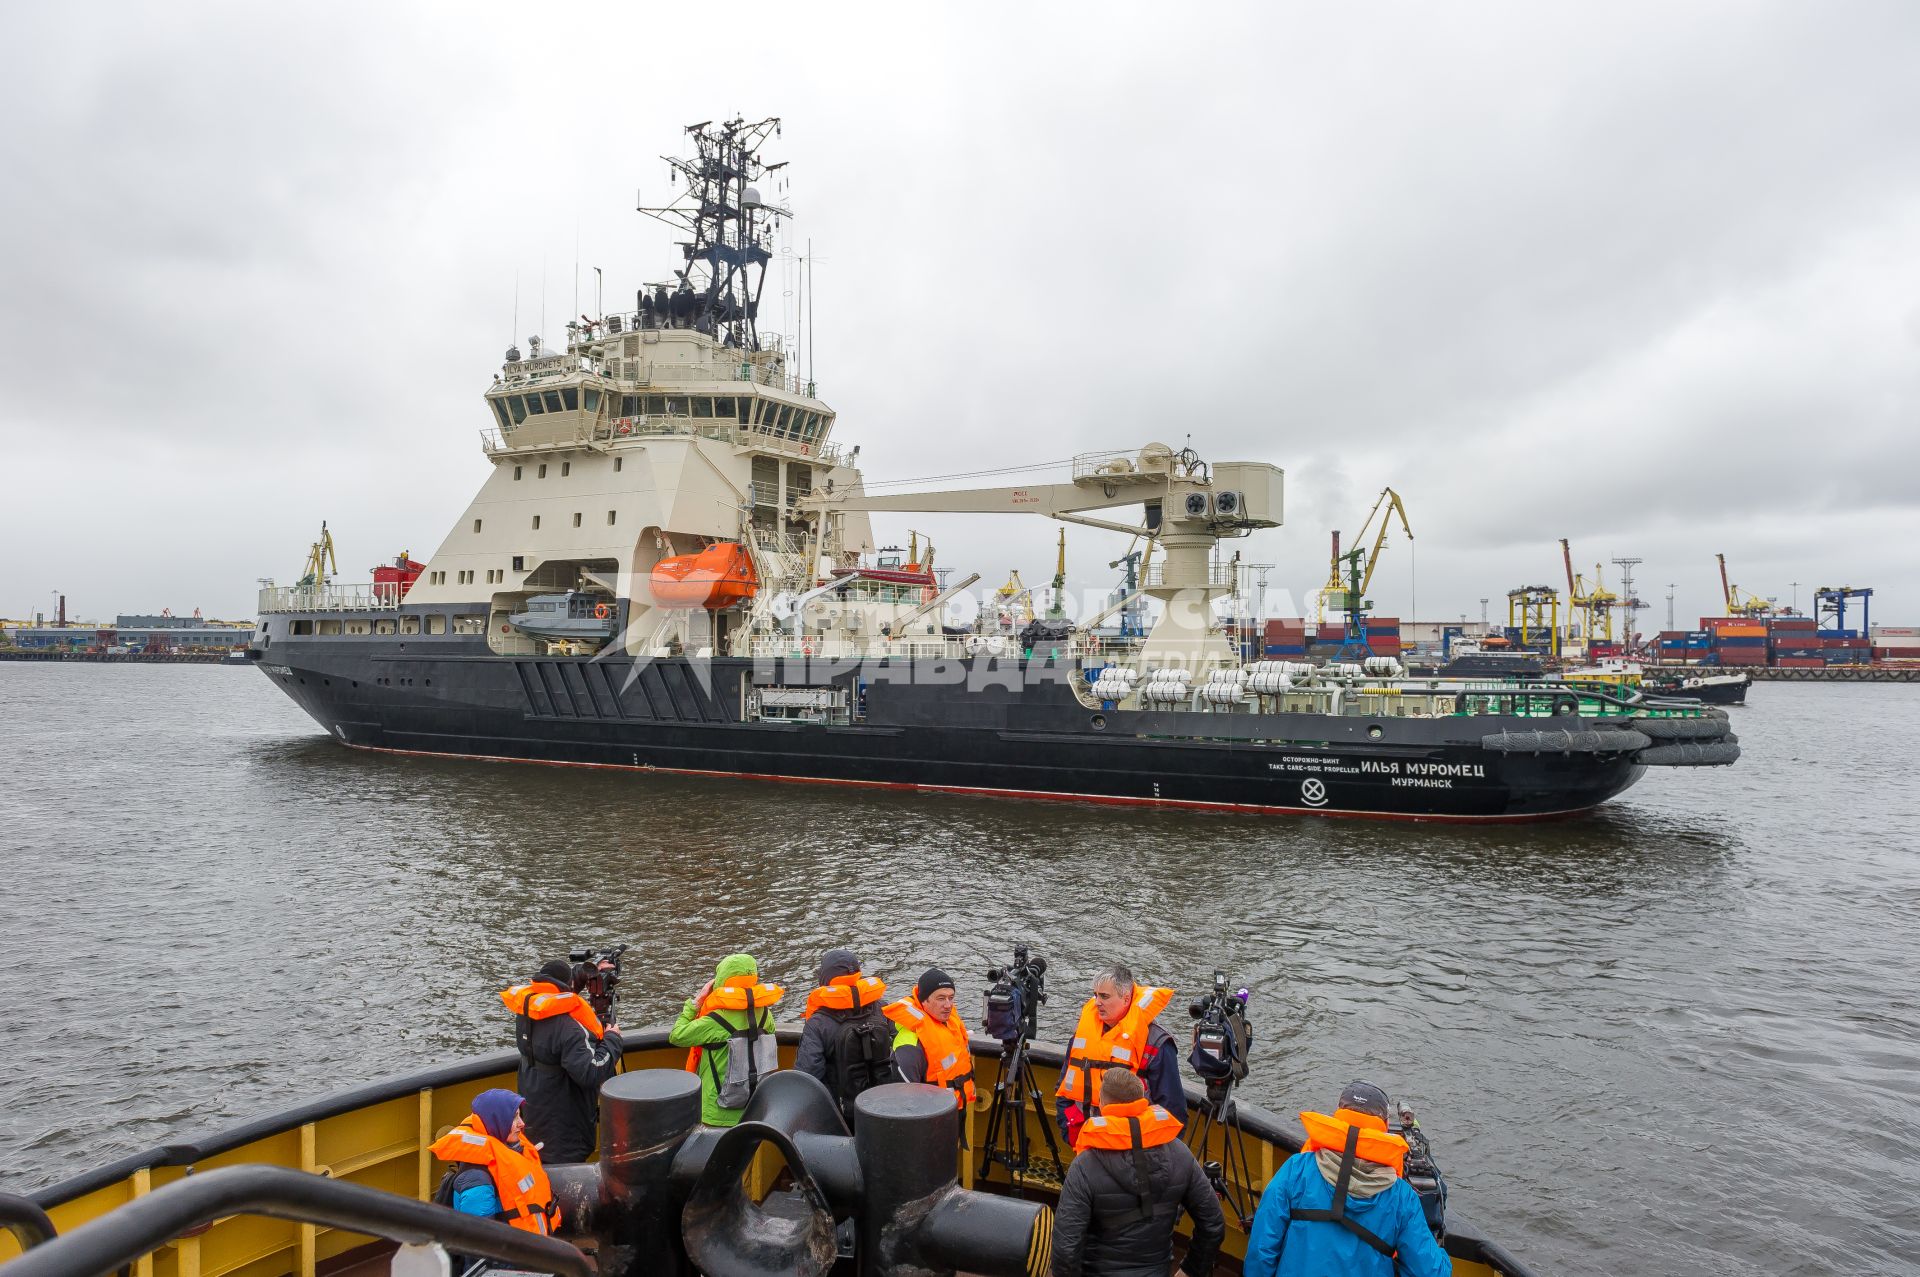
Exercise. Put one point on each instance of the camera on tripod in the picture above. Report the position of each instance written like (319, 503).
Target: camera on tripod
(1421, 1172)
(1222, 1037)
(596, 973)
(1013, 1000)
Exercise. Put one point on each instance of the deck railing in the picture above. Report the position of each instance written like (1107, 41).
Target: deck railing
(329, 598)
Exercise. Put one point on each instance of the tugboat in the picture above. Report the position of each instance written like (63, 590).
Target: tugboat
(1708, 689)
(672, 479)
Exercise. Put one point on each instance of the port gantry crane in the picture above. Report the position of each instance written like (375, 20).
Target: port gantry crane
(1739, 602)
(1349, 596)
(1830, 606)
(1595, 605)
(1533, 611)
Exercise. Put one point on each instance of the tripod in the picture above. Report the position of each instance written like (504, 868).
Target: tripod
(1007, 1141)
(1239, 1196)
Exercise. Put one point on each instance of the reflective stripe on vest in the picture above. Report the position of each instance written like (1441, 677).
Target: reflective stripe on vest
(1097, 1048)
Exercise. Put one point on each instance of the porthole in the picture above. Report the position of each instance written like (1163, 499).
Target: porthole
(1375, 732)
(1099, 722)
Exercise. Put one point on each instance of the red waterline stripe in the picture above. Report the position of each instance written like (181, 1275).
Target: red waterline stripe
(1040, 794)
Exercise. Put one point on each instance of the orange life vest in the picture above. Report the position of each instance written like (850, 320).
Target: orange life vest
(1376, 1143)
(1135, 1124)
(1097, 1048)
(949, 1058)
(518, 1177)
(845, 993)
(540, 1000)
(739, 993)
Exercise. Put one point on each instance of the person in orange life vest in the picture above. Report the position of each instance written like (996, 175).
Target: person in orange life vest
(503, 1177)
(847, 1042)
(930, 1042)
(1340, 1206)
(729, 1014)
(1130, 1179)
(1118, 1029)
(565, 1055)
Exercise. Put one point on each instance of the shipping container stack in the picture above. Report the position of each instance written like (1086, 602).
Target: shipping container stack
(1325, 643)
(1736, 640)
(1682, 647)
(1795, 643)
(1286, 640)
(1896, 643)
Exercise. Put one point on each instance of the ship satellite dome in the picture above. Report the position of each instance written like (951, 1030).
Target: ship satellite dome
(513, 354)
(752, 198)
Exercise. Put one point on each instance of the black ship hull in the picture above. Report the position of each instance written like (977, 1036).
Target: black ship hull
(1726, 690)
(1005, 728)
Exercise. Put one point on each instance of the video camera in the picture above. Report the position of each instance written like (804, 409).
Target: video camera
(595, 977)
(1221, 1038)
(1013, 1001)
(1421, 1172)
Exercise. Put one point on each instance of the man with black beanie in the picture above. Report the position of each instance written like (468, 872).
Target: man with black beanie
(930, 1044)
(846, 1042)
(565, 1055)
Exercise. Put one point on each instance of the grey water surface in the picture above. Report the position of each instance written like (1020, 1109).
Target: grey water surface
(1680, 1035)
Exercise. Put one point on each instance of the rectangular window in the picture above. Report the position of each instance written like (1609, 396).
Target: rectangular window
(576, 518)
(702, 406)
(656, 406)
(570, 396)
(536, 523)
(519, 563)
(745, 407)
(541, 473)
(610, 517)
(519, 409)
(469, 625)
(516, 474)
(476, 525)
(617, 463)
(630, 405)
(723, 407)
(437, 624)
(553, 401)
(591, 398)
(500, 411)
(566, 468)
(533, 405)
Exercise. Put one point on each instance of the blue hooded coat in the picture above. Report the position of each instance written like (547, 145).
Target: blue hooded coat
(1283, 1247)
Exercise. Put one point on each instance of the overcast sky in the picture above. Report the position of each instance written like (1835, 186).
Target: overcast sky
(1644, 276)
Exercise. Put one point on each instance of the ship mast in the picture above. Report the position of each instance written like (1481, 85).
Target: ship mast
(731, 229)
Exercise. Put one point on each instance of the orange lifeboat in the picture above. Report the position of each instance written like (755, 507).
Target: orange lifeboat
(717, 577)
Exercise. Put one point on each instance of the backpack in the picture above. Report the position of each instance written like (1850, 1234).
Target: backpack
(752, 1053)
(859, 1058)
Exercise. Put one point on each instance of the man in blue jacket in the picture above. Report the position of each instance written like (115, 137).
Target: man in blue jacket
(1340, 1206)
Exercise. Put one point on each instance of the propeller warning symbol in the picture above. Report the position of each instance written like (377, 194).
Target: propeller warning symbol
(1313, 792)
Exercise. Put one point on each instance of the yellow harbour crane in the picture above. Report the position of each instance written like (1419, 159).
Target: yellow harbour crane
(1057, 609)
(321, 563)
(1357, 565)
(1595, 604)
(1739, 602)
(1534, 612)
(1015, 601)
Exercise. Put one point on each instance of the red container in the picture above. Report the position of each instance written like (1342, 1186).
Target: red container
(1800, 663)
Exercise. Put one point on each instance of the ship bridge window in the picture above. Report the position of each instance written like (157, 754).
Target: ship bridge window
(553, 401)
(702, 406)
(500, 411)
(591, 397)
(518, 407)
(744, 411)
(533, 406)
(723, 407)
(630, 405)
(570, 396)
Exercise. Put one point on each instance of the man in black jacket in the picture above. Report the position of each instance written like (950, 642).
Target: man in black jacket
(565, 1055)
(1131, 1177)
(848, 1041)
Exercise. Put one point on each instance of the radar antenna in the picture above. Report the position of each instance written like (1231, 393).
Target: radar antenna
(731, 226)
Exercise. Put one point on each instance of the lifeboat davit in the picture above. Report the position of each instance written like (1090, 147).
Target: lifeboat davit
(717, 577)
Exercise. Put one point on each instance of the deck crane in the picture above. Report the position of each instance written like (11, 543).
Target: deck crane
(1128, 600)
(1349, 597)
(1739, 602)
(1057, 609)
(320, 561)
(1595, 605)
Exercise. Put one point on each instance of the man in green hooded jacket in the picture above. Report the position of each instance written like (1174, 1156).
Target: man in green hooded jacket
(730, 1009)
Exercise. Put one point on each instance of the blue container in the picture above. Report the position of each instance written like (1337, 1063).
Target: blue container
(1839, 633)
(1282, 650)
